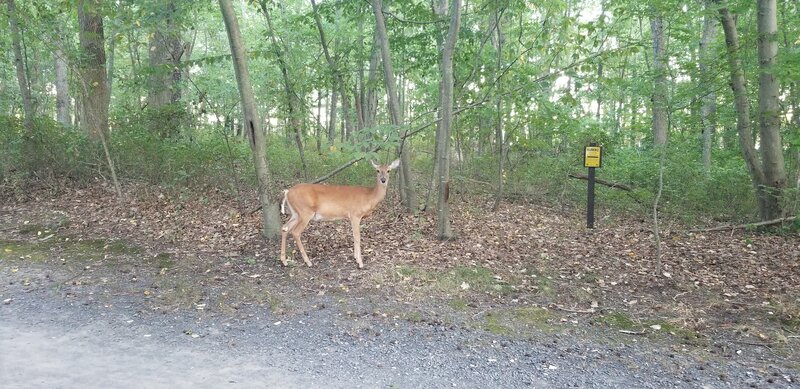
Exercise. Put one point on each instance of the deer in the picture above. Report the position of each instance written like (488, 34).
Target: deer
(308, 202)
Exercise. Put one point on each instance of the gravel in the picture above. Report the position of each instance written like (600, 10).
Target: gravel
(48, 340)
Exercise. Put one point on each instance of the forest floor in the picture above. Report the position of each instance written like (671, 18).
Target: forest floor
(524, 296)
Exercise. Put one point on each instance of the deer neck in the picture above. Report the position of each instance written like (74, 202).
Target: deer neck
(379, 191)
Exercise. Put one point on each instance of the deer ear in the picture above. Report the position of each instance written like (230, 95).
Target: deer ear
(374, 164)
(394, 164)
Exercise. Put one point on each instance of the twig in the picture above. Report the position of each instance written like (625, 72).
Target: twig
(627, 332)
(767, 345)
(675, 298)
(590, 310)
(747, 225)
(614, 185)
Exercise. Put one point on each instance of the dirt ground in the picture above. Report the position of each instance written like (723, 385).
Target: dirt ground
(523, 296)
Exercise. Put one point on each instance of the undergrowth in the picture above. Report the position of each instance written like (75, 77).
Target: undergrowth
(210, 159)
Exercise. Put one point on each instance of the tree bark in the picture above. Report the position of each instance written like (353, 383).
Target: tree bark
(293, 104)
(708, 111)
(337, 76)
(407, 187)
(62, 88)
(742, 105)
(659, 97)
(165, 51)
(332, 114)
(498, 40)
(769, 111)
(24, 86)
(371, 96)
(269, 212)
(94, 83)
(443, 228)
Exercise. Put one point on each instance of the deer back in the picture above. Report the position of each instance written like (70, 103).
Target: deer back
(335, 201)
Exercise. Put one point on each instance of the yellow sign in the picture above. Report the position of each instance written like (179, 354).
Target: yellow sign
(592, 156)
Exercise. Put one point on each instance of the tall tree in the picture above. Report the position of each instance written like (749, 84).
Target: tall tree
(93, 81)
(767, 189)
(165, 50)
(769, 109)
(338, 78)
(62, 88)
(22, 79)
(294, 105)
(269, 208)
(709, 108)
(396, 115)
(443, 228)
(659, 97)
(498, 39)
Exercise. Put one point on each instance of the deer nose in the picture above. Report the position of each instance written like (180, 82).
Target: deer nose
(383, 180)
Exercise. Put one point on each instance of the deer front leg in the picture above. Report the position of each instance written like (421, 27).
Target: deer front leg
(356, 223)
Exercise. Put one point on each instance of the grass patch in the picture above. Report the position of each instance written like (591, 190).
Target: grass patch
(164, 261)
(178, 293)
(100, 247)
(53, 247)
(26, 251)
(494, 324)
(459, 304)
(519, 321)
(230, 300)
(621, 321)
(475, 278)
(32, 228)
(617, 320)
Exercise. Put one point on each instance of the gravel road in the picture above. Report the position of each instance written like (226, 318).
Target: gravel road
(49, 341)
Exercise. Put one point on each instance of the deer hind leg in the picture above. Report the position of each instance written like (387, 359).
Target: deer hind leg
(285, 231)
(296, 230)
(356, 223)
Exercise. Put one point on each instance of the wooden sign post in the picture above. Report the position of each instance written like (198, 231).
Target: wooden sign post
(592, 158)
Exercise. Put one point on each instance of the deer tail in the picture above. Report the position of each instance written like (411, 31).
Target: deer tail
(283, 203)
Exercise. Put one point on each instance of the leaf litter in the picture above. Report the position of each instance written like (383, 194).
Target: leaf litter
(715, 289)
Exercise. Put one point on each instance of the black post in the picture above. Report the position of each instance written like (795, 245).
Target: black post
(590, 196)
(590, 200)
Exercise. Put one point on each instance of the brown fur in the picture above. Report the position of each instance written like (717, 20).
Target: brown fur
(308, 202)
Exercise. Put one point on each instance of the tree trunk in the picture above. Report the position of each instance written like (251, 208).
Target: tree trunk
(93, 80)
(318, 119)
(347, 119)
(498, 41)
(24, 87)
(659, 98)
(407, 187)
(62, 88)
(294, 106)
(337, 77)
(769, 111)
(443, 227)
(332, 113)
(112, 46)
(742, 105)
(708, 111)
(269, 208)
(371, 96)
(165, 50)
